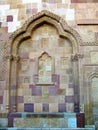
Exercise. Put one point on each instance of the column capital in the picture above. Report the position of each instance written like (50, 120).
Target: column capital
(76, 57)
(16, 58)
(9, 57)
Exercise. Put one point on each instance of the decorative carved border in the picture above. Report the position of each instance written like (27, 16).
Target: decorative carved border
(44, 16)
(54, 17)
(25, 32)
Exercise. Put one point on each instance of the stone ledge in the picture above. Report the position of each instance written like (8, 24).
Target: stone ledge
(87, 22)
(47, 128)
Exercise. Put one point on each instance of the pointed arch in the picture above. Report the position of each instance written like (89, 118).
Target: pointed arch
(25, 33)
(37, 20)
(92, 75)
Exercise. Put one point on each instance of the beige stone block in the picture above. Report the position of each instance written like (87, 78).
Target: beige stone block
(27, 99)
(53, 107)
(24, 86)
(27, 91)
(13, 92)
(53, 99)
(69, 107)
(38, 99)
(1, 92)
(6, 97)
(94, 90)
(20, 6)
(70, 14)
(46, 100)
(45, 92)
(94, 57)
(20, 107)
(37, 107)
(91, 13)
(32, 55)
(64, 62)
(33, 99)
(64, 79)
(80, 14)
(20, 91)
(61, 99)
(61, 91)
(63, 86)
(69, 92)
(82, 6)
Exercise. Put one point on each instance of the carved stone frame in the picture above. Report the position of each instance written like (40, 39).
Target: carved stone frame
(24, 33)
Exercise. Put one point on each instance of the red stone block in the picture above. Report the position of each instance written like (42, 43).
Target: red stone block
(80, 120)
(74, 1)
(9, 18)
(1, 99)
(96, 1)
(79, 1)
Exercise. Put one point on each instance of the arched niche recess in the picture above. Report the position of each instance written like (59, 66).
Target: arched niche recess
(44, 34)
(91, 97)
(93, 79)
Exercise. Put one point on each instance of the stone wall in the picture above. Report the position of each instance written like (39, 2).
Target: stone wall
(80, 15)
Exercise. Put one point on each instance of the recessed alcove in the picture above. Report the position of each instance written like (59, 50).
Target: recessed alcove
(44, 69)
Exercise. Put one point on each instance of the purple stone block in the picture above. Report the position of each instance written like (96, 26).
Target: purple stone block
(76, 89)
(71, 85)
(53, 91)
(45, 107)
(14, 114)
(55, 78)
(10, 121)
(1, 99)
(19, 66)
(20, 79)
(9, 18)
(13, 87)
(35, 78)
(36, 91)
(69, 99)
(31, 86)
(28, 107)
(24, 55)
(20, 99)
(76, 98)
(28, 11)
(61, 107)
(12, 100)
(2, 84)
(76, 107)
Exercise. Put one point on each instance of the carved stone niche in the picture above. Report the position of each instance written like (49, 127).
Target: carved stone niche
(45, 69)
(24, 40)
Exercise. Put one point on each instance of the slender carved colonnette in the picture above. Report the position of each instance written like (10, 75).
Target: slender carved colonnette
(75, 57)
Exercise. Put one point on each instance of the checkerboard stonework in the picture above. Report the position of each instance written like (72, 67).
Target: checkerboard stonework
(48, 63)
